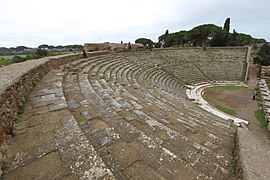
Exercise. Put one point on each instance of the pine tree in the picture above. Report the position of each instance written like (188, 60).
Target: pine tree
(227, 25)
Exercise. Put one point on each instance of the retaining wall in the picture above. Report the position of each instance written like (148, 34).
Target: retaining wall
(224, 63)
(265, 95)
(16, 81)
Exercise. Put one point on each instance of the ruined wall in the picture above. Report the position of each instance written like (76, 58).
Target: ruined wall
(57, 61)
(117, 47)
(16, 81)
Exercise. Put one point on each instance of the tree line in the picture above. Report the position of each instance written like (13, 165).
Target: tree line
(51, 48)
(263, 56)
(203, 35)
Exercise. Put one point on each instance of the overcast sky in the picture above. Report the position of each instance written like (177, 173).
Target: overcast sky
(62, 22)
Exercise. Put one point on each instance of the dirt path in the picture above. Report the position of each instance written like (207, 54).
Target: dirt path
(254, 125)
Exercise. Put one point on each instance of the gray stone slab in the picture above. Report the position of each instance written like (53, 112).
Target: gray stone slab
(37, 103)
(30, 155)
(86, 115)
(73, 104)
(77, 152)
(44, 100)
(57, 91)
(130, 117)
(101, 138)
(58, 105)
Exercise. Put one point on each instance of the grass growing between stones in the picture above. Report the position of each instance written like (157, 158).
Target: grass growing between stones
(261, 118)
(268, 85)
(22, 108)
(219, 107)
(225, 109)
(223, 88)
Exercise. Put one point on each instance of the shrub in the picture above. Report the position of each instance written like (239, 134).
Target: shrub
(18, 59)
(42, 53)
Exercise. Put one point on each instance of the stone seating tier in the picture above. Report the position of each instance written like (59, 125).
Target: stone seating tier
(119, 116)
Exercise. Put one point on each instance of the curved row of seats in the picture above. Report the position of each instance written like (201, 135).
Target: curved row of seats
(120, 116)
(178, 138)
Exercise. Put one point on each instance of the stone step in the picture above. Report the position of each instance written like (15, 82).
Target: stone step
(49, 143)
(118, 92)
(103, 109)
(78, 153)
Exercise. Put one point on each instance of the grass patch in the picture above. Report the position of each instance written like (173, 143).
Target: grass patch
(11, 56)
(223, 88)
(234, 160)
(22, 107)
(208, 98)
(5, 62)
(261, 118)
(268, 85)
(7, 59)
(225, 109)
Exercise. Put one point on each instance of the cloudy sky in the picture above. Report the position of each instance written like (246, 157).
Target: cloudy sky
(62, 22)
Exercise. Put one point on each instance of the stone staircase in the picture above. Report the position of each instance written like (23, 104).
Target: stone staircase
(116, 117)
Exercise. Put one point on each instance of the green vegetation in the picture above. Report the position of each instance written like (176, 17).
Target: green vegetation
(219, 107)
(227, 25)
(10, 59)
(22, 107)
(208, 34)
(24, 49)
(5, 62)
(7, 59)
(234, 161)
(261, 118)
(203, 36)
(145, 42)
(223, 88)
(225, 109)
(268, 85)
(263, 57)
(11, 56)
(235, 158)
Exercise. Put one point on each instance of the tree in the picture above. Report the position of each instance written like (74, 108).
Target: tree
(264, 55)
(20, 48)
(226, 26)
(208, 34)
(43, 46)
(219, 39)
(41, 53)
(265, 50)
(51, 47)
(200, 34)
(145, 42)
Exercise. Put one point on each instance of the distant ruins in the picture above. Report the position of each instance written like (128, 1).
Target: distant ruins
(117, 47)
